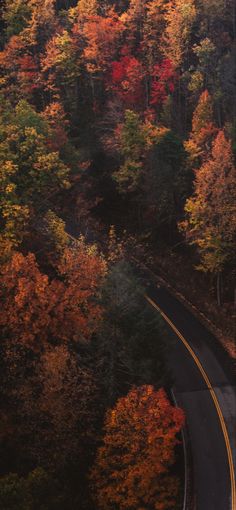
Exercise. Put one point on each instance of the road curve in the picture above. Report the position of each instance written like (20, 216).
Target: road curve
(208, 397)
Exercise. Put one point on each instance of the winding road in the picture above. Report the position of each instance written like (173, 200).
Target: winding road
(208, 397)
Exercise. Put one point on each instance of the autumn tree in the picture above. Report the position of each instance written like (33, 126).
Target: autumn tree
(102, 35)
(132, 467)
(16, 15)
(20, 58)
(180, 17)
(78, 55)
(153, 29)
(132, 141)
(207, 59)
(152, 171)
(57, 122)
(211, 211)
(126, 81)
(203, 130)
(53, 237)
(19, 70)
(62, 393)
(42, 24)
(30, 172)
(15, 216)
(61, 67)
(163, 82)
(83, 10)
(42, 311)
(111, 111)
(133, 19)
(216, 36)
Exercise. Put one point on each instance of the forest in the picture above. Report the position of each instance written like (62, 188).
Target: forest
(117, 142)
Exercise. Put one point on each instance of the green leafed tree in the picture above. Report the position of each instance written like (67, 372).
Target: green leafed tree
(132, 341)
(132, 143)
(31, 173)
(16, 15)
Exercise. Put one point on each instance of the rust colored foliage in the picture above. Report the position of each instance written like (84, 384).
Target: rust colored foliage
(28, 73)
(36, 310)
(132, 467)
(19, 67)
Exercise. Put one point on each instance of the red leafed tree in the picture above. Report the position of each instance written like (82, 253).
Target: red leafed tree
(36, 310)
(126, 80)
(163, 82)
(132, 467)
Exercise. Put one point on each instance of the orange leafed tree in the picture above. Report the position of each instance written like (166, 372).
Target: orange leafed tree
(203, 130)
(36, 310)
(132, 467)
(102, 35)
(211, 211)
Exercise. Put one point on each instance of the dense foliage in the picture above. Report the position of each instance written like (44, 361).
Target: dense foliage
(111, 113)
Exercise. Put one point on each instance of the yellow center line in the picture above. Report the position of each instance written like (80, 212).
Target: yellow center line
(213, 395)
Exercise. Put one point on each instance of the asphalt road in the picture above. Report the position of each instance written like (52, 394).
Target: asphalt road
(213, 481)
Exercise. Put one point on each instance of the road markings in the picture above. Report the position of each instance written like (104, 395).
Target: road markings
(213, 395)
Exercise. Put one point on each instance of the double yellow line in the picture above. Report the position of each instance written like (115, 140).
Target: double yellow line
(214, 398)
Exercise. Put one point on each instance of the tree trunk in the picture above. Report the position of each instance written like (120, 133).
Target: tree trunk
(234, 315)
(234, 19)
(218, 290)
(92, 89)
(147, 92)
